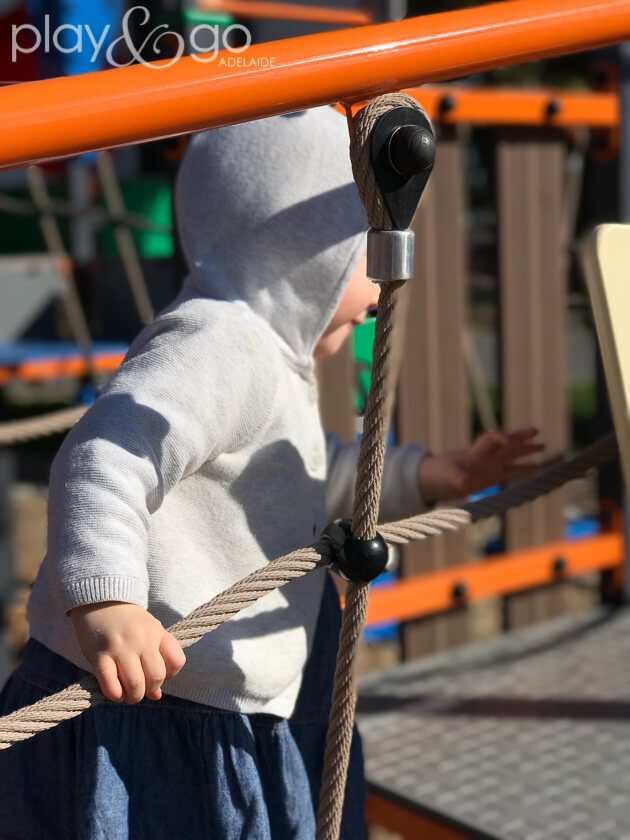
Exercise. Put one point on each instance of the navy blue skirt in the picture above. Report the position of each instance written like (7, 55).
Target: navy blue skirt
(173, 769)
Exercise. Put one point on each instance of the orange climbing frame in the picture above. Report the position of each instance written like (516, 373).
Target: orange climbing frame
(452, 105)
(506, 574)
(63, 117)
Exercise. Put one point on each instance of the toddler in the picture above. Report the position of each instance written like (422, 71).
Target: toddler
(202, 460)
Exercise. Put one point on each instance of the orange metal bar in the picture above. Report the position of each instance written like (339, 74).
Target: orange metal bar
(455, 104)
(72, 367)
(260, 9)
(508, 106)
(63, 117)
(434, 592)
(407, 822)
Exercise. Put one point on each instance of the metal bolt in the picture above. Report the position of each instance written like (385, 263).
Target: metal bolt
(447, 103)
(460, 591)
(553, 108)
(560, 566)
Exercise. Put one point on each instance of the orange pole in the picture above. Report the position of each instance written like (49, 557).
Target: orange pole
(452, 105)
(461, 105)
(63, 117)
(41, 370)
(408, 822)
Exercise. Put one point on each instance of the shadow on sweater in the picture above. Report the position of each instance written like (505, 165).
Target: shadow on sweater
(286, 514)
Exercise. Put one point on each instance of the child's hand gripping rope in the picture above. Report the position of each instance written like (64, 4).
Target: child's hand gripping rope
(130, 651)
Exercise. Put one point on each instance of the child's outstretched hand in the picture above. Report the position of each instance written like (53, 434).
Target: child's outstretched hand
(130, 651)
(494, 457)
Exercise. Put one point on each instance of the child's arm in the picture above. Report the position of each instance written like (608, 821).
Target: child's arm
(414, 479)
(181, 397)
(401, 493)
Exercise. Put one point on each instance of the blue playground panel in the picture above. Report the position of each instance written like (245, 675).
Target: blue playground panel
(79, 56)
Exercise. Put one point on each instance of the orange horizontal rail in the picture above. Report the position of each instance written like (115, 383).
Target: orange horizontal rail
(42, 370)
(434, 592)
(408, 822)
(264, 9)
(62, 117)
(508, 106)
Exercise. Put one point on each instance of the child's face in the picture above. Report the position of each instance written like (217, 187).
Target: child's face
(360, 295)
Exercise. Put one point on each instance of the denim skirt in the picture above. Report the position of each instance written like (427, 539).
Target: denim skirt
(173, 769)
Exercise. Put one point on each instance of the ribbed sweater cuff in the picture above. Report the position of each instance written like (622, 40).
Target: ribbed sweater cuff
(96, 590)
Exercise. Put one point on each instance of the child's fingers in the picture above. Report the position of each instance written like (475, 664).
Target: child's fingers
(172, 654)
(106, 673)
(154, 672)
(131, 678)
(491, 441)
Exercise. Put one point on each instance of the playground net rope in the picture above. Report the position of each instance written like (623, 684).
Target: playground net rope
(79, 697)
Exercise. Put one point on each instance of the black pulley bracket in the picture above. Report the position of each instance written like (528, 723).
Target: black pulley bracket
(402, 153)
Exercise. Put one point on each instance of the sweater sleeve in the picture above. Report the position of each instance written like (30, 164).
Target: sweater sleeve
(185, 392)
(400, 496)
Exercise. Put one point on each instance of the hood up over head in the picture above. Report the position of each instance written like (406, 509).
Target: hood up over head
(269, 214)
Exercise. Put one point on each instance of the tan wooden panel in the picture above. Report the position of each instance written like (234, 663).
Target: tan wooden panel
(432, 401)
(605, 257)
(532, 273)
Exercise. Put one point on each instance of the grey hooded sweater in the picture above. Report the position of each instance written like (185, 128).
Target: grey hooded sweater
(204, 458)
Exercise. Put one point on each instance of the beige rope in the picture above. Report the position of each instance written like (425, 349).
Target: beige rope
(125, 243)
(78, 697)
(18, 431)
(51, 232)
(368, 483)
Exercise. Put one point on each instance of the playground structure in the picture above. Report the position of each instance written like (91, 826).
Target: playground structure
(538, 161)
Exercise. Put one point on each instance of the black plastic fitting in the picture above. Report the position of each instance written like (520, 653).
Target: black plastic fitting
(553, 108)
(402, 151)
(460, 592)
(559, 566)
(411, 150)
(356, 560)
(447, 103)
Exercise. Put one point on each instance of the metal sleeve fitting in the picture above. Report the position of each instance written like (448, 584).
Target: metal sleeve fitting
(390, 255)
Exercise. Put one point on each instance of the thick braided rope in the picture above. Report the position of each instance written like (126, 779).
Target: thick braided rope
(18, 431)
(368, 484)
(364, 518)
(75, 699)
(78, 697)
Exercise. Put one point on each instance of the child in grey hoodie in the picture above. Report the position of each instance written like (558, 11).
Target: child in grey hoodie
(201, 461)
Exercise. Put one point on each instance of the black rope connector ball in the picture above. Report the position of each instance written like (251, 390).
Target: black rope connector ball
(359, 561)
(411, 150)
